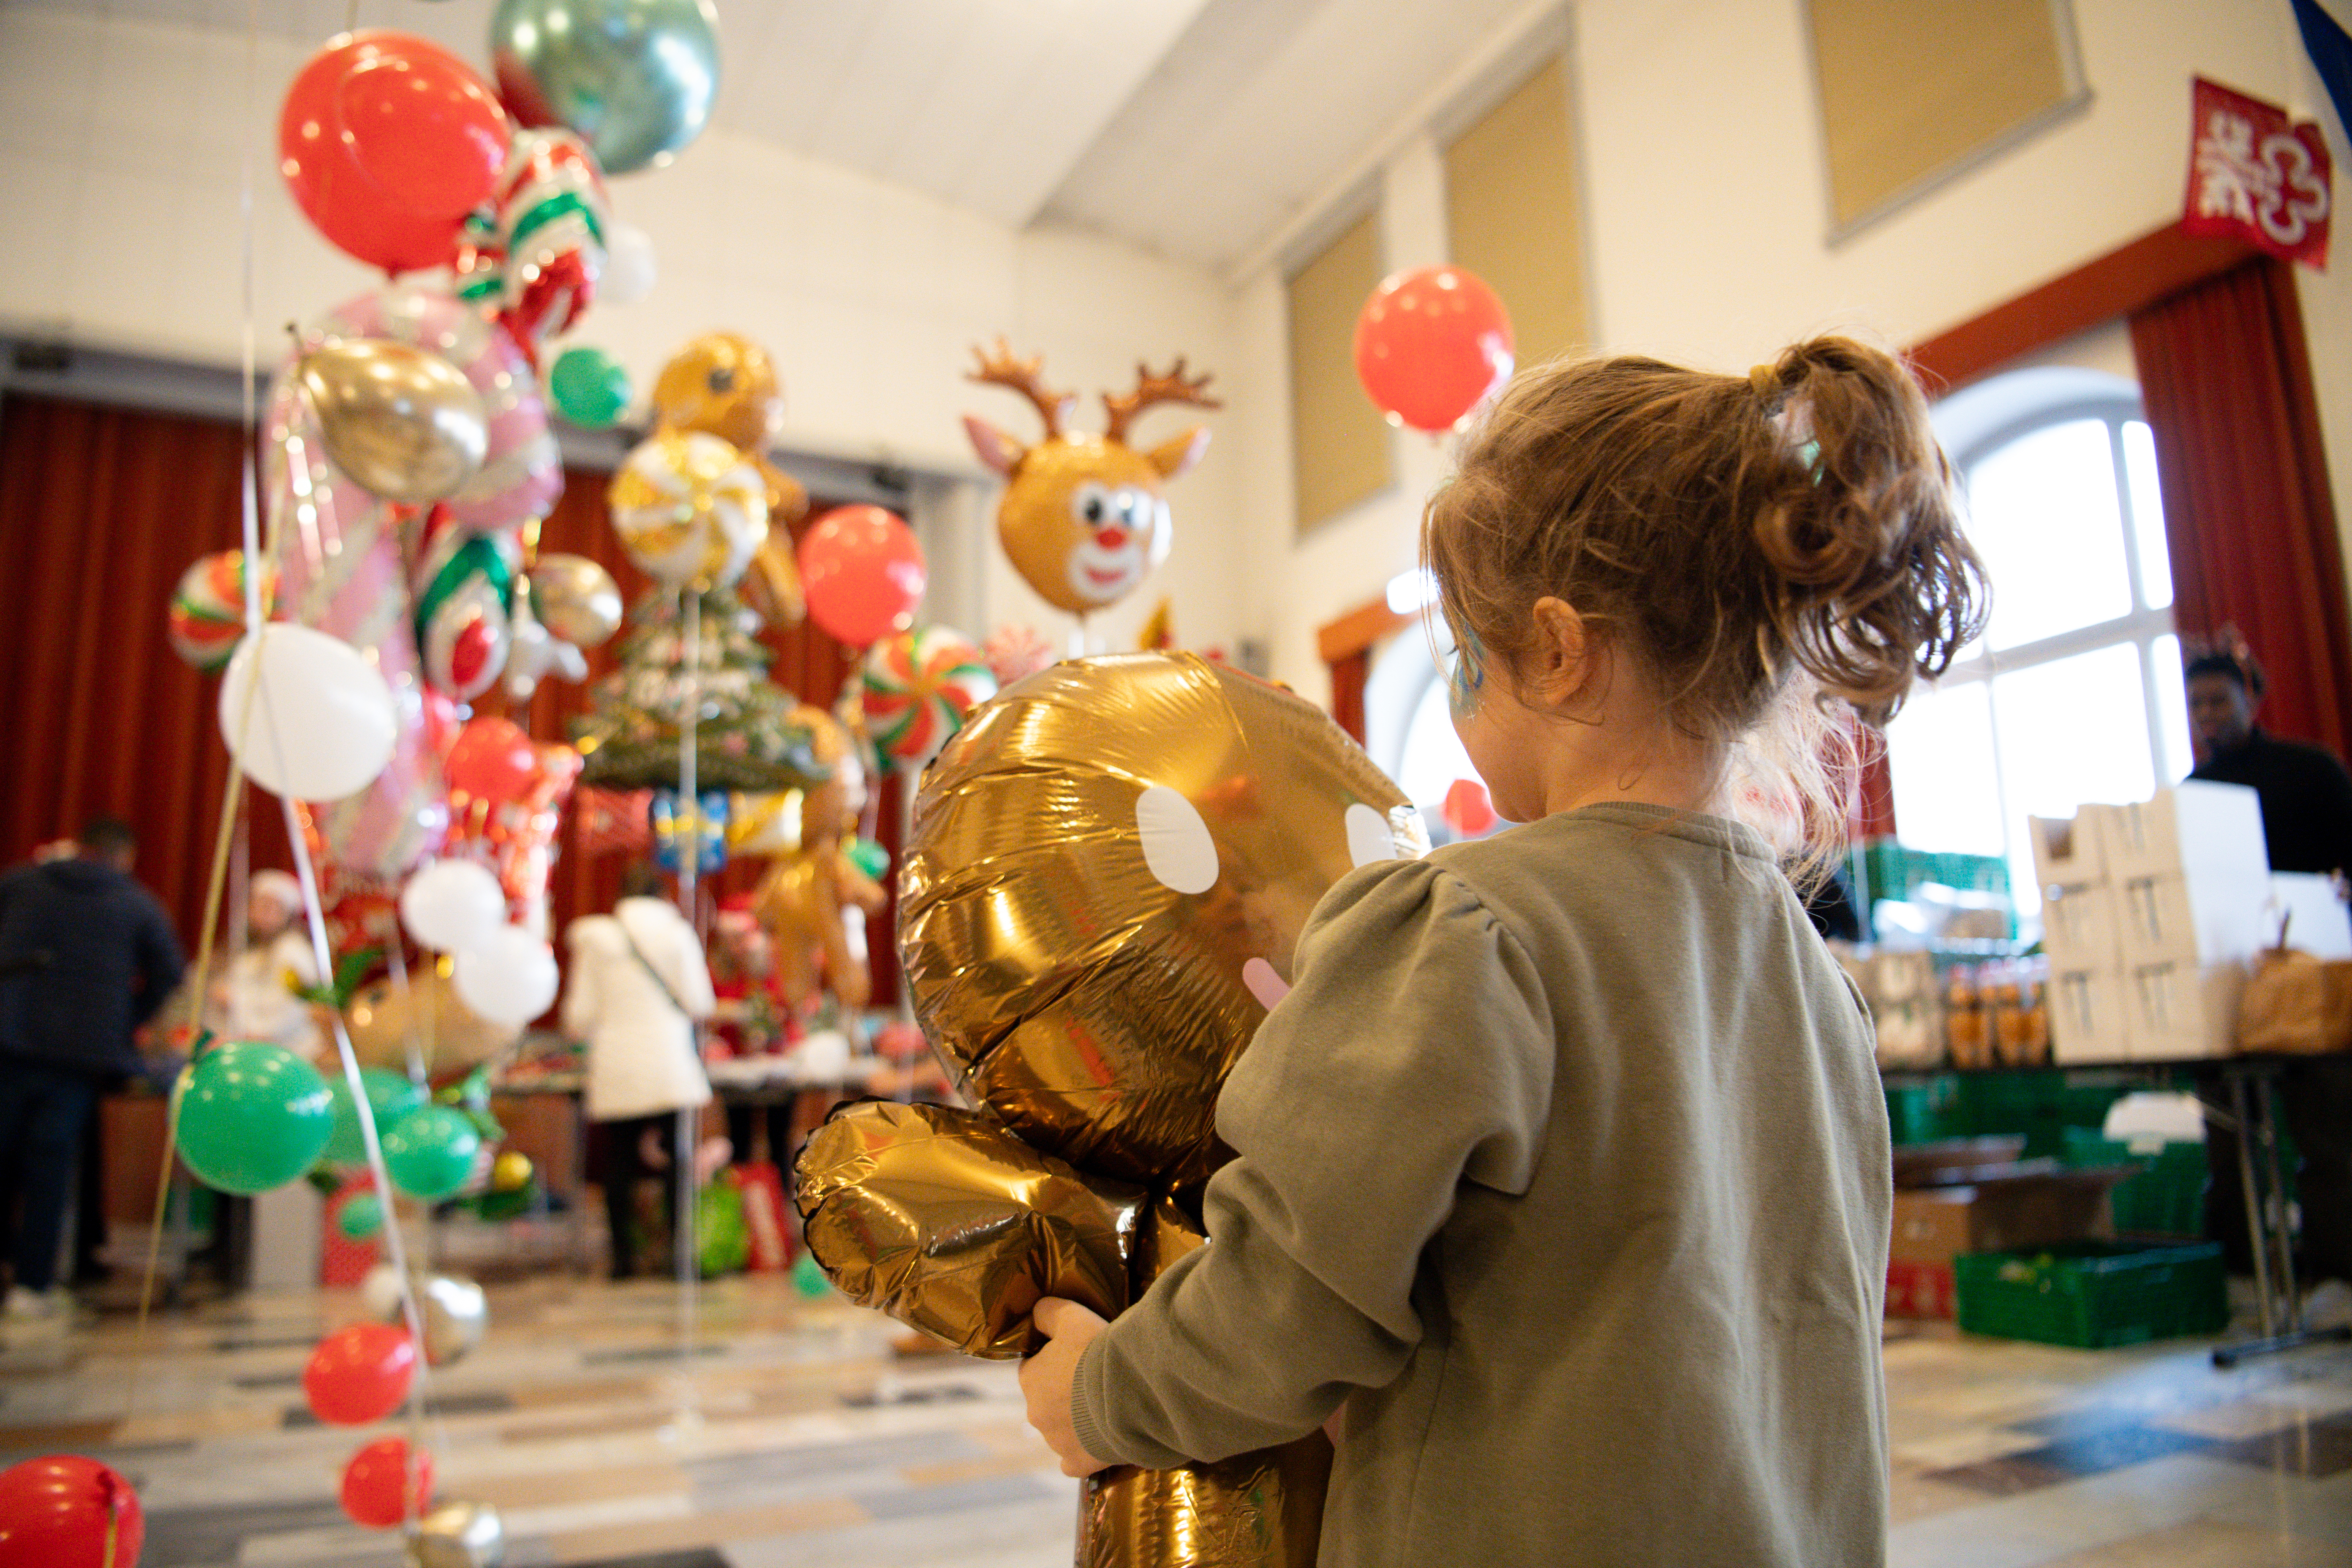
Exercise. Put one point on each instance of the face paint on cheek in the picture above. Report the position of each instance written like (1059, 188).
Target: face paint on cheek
(1469, 676)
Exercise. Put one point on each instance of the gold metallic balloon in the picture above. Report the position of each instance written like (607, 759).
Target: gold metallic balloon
(1103, 862)
(446, 1035)
(402, 422)
(1264, 1509)
(690, 509)
(575, 598)
(940, 1218)
(724, 385)
(1164, 1232)
(510, 1171)
(458, 1535)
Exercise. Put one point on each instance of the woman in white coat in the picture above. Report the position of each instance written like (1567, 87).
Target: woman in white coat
(637, 982)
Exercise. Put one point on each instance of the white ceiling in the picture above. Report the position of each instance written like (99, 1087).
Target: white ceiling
(1195, 128)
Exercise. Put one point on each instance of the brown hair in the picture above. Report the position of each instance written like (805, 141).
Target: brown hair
(1768, 547)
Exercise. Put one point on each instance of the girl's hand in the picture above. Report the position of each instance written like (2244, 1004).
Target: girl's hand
(1047, 1376)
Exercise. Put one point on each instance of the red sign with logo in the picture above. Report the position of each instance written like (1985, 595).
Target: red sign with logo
(2255, 174)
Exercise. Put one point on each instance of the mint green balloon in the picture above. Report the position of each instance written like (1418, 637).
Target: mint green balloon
(248, 1116)
(389, 1094)
(429, 1153)
(361, 1217)
(590, 387)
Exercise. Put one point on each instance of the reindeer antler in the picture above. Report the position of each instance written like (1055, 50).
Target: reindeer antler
(1150, 389)
(1022, 375)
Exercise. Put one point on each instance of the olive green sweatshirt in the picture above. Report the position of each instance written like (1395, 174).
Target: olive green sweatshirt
(1564, 1171)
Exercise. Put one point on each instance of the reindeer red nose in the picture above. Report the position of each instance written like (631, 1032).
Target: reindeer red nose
(1112, 537)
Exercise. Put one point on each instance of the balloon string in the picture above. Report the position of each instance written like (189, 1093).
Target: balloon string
(690, 866)
(396, 1251)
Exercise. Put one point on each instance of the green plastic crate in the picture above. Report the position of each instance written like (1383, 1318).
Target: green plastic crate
(1922, 1112)
(2093, 1294)
(2040, 1102)
(2167, 1199)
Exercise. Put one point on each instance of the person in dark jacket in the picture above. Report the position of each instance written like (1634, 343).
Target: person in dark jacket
(2306, 800)
(2305, 792)
(86, 956)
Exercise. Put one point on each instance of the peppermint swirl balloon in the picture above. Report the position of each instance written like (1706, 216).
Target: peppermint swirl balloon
(918, 686)
(691, 509)
(207, 613)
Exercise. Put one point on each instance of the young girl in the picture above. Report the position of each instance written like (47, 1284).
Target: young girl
(1561, 1177)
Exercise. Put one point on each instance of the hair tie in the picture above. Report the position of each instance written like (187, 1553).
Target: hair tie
(1765, 380)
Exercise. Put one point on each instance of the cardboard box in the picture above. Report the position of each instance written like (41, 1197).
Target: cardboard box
(2082, 927)
(1921, 1290)
(2087, 1016)
(2034, 1207)
(2194, 825)
(2069, 851)
(2178, 1008)
(2202, 917)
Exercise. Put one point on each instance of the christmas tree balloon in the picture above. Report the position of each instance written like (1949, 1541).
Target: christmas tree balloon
(747, 737)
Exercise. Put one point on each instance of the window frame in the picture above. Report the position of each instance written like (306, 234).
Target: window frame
(2142, 626)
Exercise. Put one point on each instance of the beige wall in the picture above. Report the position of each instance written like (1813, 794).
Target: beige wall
(1712, 99)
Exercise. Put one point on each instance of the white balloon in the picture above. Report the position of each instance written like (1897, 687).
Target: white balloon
(629, 269)
(509, 977)
(319, 724)
(380, 1290)
(452, 905)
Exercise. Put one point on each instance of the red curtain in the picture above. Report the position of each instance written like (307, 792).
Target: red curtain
(101, 509)
(2225, 375)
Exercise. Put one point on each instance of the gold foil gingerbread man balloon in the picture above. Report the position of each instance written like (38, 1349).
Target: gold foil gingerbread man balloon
(1109, 871)
(1083, 516)
(814, 900)
(724, 385)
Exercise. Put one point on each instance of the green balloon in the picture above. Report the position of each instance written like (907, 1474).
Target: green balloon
(429, 1153)
(590, 387)
(361, 1217)
(389, 1094)
(808, 1277)
(869, 858)
(248, 1116)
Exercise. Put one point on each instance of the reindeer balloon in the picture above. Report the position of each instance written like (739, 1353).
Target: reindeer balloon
(1083, 517)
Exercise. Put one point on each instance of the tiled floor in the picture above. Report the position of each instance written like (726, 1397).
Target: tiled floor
(793, 1437)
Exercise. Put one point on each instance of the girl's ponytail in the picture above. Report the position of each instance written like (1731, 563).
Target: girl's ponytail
(1869, 579)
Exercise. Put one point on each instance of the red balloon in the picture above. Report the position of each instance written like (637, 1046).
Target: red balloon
(360, 1373)
(60, 1512)
(387, 142)
(863, 573)
(372, 1484)
(1430, 345)
(492, 760)
(1467, 810)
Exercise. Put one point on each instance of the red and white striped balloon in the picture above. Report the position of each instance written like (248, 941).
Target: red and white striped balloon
(917, 687)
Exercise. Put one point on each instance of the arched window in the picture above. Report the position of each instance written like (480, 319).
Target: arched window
(2074, 693)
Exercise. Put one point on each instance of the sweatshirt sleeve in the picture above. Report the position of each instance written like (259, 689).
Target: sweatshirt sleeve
(159, 959)
(1415, 1054)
